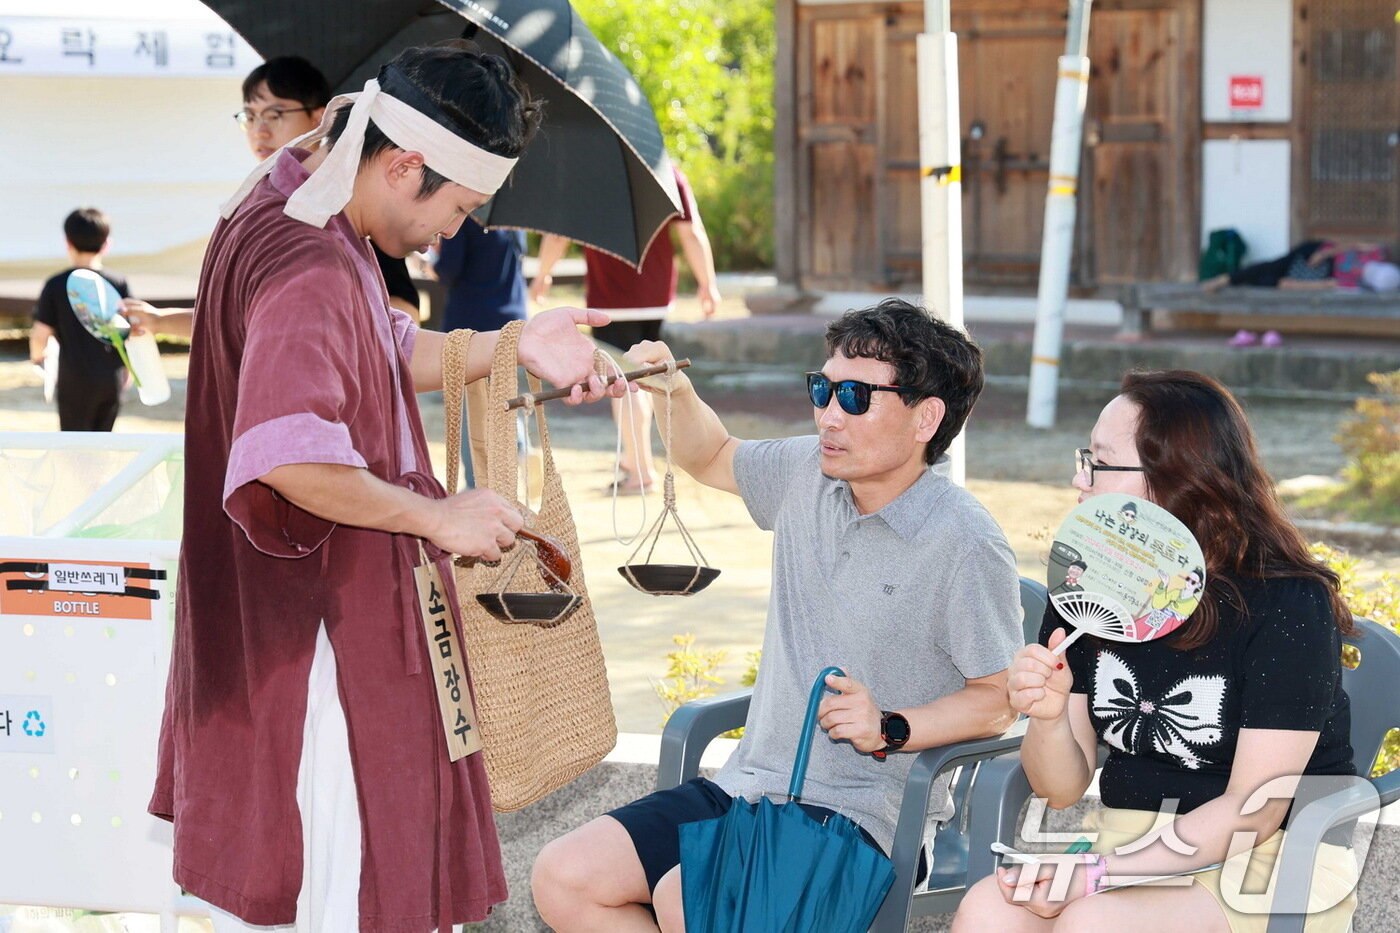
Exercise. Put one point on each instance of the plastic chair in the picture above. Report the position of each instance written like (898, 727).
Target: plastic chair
(1374, 688)
(692, 727)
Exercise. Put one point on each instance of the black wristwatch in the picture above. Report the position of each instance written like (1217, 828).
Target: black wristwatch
(894, 729)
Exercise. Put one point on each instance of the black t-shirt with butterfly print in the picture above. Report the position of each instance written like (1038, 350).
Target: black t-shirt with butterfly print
(1171, 718)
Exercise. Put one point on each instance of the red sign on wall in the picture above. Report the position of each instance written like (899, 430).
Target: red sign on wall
(1246, 92)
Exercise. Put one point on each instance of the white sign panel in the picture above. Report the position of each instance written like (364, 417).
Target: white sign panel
(86, 578)
(31, 45)
(26, 724)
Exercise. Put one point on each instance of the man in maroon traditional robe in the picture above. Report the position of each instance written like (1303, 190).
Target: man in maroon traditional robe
(308, 493)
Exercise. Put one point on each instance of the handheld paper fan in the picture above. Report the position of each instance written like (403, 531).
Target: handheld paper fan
(1124, 569)
(95, 303)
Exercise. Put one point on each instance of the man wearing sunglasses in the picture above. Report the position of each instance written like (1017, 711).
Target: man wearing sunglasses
(881, 565)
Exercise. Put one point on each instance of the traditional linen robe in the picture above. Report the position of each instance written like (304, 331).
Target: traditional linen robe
(297, 358)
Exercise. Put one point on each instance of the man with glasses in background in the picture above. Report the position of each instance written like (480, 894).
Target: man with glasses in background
(283, 98)
(881, 565)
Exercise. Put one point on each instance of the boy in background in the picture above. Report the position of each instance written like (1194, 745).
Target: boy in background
(90, 373)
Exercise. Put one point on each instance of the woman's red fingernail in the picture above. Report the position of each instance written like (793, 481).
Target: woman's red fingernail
(1060, 666)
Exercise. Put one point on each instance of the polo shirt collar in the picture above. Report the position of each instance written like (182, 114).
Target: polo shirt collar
(910, 509)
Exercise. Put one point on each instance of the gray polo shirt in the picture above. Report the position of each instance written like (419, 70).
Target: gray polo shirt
(911, 600)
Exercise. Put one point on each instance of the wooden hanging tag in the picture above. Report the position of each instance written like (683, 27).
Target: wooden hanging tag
(447, 663)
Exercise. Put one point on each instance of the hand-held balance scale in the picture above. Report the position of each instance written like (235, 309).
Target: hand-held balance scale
(656, 579)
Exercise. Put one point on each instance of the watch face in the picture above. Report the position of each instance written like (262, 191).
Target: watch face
(895, 728)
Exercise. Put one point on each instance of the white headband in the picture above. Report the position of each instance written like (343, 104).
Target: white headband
(330, 186)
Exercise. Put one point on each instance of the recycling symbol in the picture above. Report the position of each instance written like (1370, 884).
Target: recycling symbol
(33, 723)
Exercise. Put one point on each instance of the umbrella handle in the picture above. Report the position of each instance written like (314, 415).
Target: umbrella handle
(804, 744)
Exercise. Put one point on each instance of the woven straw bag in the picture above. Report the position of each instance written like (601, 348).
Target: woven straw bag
(541, 689)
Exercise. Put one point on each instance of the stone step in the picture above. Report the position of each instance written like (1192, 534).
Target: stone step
(1091, 359)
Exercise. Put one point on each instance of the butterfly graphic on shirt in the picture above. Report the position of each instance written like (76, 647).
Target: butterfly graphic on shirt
(1185, 717)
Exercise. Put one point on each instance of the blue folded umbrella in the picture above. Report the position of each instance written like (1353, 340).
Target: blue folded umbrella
(771, 868)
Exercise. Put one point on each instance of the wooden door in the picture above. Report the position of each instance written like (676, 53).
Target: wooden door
(1348, 127)
(1142, 141)
(1008, 58)
(840, 53)
(857, 149)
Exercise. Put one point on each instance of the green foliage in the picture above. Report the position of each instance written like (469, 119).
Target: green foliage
(750, 675)
(1379, 602)
(707, 68)
(1371, 441)
(690, 674)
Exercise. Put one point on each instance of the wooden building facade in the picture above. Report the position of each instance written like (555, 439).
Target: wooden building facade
(1166, 155)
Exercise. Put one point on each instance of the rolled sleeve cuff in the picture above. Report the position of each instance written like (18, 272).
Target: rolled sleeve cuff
(274, 525)
(405, 332)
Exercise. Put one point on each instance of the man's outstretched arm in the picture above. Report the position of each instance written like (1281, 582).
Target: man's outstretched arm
(700, 444)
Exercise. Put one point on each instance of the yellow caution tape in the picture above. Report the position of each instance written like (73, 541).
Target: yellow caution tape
(946, 174)
(1046, 360)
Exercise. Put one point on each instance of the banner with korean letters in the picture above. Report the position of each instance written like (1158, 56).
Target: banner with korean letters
(91, 46)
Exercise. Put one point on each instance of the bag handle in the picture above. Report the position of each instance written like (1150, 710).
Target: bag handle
(500, 425)
(809, 724)
(454, 378)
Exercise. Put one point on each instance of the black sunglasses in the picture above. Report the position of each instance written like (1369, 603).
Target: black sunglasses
(852, 396)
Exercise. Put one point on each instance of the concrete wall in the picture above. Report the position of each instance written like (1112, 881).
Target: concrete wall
(147, 137)
(159, 155)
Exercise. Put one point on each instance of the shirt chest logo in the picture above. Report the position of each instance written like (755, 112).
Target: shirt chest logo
(888, 588)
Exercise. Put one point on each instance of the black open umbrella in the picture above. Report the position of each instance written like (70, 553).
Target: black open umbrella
(598, 171)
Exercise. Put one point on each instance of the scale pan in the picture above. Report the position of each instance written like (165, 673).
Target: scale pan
(529, 607)
(668, 579)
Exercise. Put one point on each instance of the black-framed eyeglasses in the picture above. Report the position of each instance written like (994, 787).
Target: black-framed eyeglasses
(1084, 463)
(853, 396)
(268, 118)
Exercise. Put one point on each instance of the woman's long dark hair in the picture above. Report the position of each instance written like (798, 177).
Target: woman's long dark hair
(1201, 464)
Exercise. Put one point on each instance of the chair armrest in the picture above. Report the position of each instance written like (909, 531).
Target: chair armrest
(690, 730)
(1002, 789)
(913, 813)
(1387, 787)
(1306, 828)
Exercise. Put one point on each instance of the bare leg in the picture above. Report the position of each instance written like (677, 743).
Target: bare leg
(635, 426)
(983, 908)
(591, 880)
(1147, 909)
(666, 900)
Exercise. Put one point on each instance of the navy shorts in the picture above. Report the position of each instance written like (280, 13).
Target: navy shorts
(654, 822)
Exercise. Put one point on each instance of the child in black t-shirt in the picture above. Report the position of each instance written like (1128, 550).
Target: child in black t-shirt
(1246, 691)
(90, 373)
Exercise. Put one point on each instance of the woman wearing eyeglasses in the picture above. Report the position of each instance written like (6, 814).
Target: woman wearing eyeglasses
(1245, 693)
